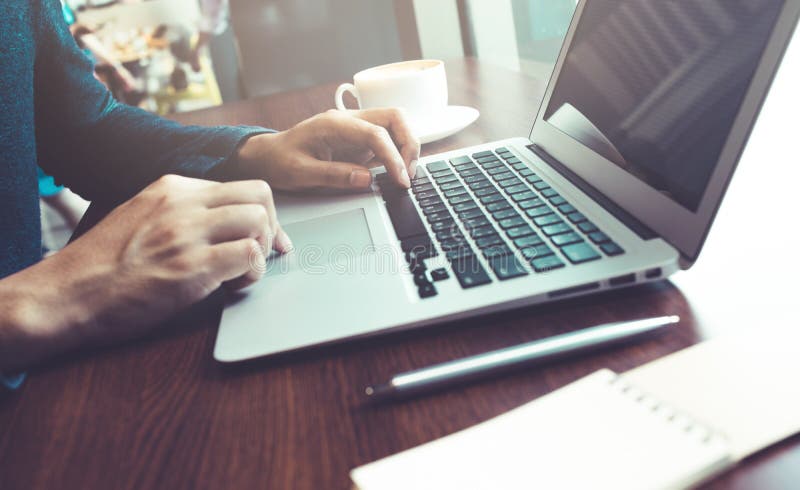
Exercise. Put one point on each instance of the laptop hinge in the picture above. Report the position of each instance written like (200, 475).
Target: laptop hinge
(631, 222)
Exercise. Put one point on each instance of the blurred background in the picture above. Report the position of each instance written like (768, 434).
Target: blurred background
(169, 56)
(185, 54)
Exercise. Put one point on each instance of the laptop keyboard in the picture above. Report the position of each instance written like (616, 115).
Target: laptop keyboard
(516, 223)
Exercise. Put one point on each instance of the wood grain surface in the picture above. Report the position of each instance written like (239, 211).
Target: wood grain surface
(161, 413)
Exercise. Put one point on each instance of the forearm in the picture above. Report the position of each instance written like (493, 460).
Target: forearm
(40, 314)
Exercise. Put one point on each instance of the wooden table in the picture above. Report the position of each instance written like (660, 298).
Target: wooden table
(161, 413)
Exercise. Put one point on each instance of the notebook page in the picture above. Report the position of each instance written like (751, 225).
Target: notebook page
(589, 434)
(744, 385)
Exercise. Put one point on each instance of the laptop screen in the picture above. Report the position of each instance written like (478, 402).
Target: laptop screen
(655, 86)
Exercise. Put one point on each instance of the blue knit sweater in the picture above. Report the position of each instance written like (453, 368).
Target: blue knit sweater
(53, 112)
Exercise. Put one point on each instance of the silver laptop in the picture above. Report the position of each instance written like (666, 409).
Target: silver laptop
(648, 109)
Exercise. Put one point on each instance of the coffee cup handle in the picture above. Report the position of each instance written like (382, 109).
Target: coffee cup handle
(346, 87)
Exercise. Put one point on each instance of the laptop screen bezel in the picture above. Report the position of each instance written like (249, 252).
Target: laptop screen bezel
(684, 229)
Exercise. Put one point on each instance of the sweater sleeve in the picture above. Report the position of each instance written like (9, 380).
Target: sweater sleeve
(104, 150)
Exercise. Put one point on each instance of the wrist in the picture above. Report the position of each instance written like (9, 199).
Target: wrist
(255, 155)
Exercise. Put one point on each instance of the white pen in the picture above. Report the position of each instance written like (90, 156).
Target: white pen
(488, 363)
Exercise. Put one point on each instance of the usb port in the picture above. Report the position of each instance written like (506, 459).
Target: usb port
(653, 273)
(622, 280)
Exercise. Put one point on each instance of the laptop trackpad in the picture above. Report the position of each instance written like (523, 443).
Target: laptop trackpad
(337, 239)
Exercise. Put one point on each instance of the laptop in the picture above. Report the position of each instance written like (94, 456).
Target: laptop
(646, 114)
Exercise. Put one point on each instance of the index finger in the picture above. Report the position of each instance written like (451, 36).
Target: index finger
(374, 137)
(396, 122)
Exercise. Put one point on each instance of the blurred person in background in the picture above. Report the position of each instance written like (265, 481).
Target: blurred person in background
(216, 32)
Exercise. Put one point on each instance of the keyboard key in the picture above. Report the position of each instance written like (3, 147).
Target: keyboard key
(496, 251)
(505, 214)
(558, 229)
(458, 161)
(427, 195)
(470, 172)
(519, 166)
(447, 224)
(420, 181)
(520, 231)
(599, 237)
(493, 164)
(422, 188)
(513, 160)
(580, 253)
(536, 252)
(446, 179)
(566, 239)
(434, 217)
(533, 178)
(482, 232)
(488, 241)
(465, 167)
(517, 189)
(453, 243)
(511, 223)
(438, 166)
(509, 182)
(527, 173)
(460, 199)
(587, 227)
(540, 211)
(483, 161)
(472, 213)
(486, 191)
(482, 154)
(466, 206)
(576, 217)
(431, 201)
(450, 185)
(566, 208)
(455, 192)
(405, 218)
(501, 150)
(419, 242)
(492, 198)
(553, 196)
(420, 277)
(439, 274)
(450, 233)
(545, 264)
(436, 208)
(502, 176)
(497, 206)
(507, 267)
(550, 219)
(427, 290)
(541, 185)
(476, 222)
(498, 170)
(531, 203)
(442, 173)
(476, 178)
(469, 272)
(459, 253)
(528, 241)
(480, 185)
(558, 201)
(611, 249)
(523, 196)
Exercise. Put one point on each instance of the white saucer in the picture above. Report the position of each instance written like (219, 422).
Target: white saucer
(451, 120)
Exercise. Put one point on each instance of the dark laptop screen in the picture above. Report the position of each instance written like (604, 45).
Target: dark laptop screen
(655, 85)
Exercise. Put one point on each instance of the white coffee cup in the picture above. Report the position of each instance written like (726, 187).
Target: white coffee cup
(419, 87)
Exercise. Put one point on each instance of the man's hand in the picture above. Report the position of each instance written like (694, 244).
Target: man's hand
(170, 246)
(331, 149)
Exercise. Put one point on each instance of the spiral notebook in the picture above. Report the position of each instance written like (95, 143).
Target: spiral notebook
(673, 423)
